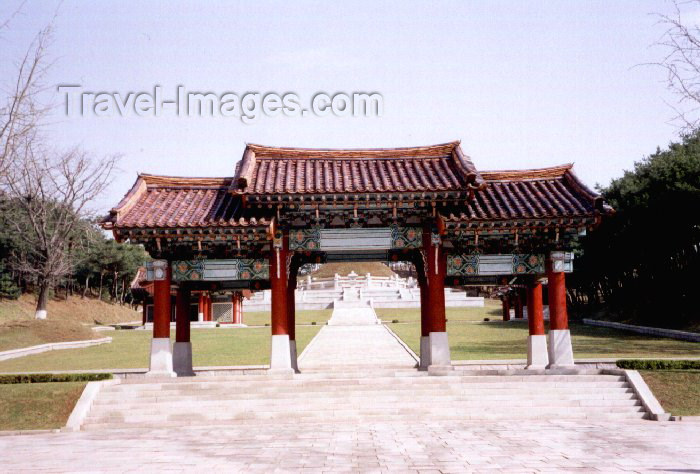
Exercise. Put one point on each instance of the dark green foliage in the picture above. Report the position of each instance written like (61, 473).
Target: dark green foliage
(8, 288)
(44, 378)
(643, 262)
(636, 364)
(98, 266)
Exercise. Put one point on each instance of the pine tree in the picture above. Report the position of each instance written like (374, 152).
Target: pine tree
(8, 289)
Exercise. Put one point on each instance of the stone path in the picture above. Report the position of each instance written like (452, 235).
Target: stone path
(353, 317)
(640, 446)
(408, 443)
(357, 342)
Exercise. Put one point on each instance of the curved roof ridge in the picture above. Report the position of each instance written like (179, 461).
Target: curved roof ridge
(166, 180)
(446, 159)
(265, 151)
(533, 173)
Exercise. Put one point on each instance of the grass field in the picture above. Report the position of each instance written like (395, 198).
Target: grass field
(34, 406)
(678, 391)
(491, 310)
(68, 320)
(130, 349)
(260, 318)
(75, 308)
(508, 340)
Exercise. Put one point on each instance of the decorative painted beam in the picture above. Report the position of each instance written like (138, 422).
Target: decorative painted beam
(366, 238)
(492, 264)
(220, 270)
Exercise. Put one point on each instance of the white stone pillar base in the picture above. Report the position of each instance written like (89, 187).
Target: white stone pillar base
(280, 353)
(439, 351)
(182, 359)
(200, 317)
(161, 358)
(561, 355)
(537, 356)
(40, 314)
(424, 353)
(293, 355)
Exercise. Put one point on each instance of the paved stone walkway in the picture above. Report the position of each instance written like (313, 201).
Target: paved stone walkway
(355, 345)
(364, 446)
(640, 446)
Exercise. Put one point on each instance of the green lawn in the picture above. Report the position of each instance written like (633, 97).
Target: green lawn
(508, 340)
(491, 310)
(678, 391)
(34, 406)
(260, 318)
(130, 349)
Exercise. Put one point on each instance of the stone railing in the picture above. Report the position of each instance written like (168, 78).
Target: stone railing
(354, 281)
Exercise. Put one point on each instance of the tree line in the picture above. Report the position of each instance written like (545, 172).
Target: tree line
(92, 265)
(643, 261)
(48, 239)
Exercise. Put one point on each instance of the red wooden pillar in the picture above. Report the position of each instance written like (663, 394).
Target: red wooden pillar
(207, 307)
(182, 315)
(161, 362)
(424, 322)
(278, 290)
(291, 316)
(240, 307)
(182, 349)
(419, 263)
(518, 304)
(280, 356)
(436, 271)
(537, 356)
(560, 349)
(436, 287)
(535, 316)
(558, 317)
(161, 307)
(291, 306)
(505, 303)
(200, 306)
(236, 307)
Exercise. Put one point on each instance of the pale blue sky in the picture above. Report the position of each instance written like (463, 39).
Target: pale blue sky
(522, 84)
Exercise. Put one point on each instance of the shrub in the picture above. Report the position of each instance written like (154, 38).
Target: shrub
(45, 378)
(636, 364)
(487, 319)
(394, 321)
(313, 323)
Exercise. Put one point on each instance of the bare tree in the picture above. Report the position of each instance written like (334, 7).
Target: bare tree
(20, 111)
(681, 45)
(52, 192)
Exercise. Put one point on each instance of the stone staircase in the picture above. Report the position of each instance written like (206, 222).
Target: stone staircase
(356, 395)
(353, 317)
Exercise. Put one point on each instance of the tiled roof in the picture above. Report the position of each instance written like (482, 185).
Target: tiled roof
(170, 202)
(531, 194)
(438, 168)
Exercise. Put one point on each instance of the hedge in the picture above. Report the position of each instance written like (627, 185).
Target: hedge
(636, 364)
(45, 378)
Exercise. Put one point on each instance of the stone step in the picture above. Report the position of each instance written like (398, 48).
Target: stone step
(342, 379)
(369, 390)
(560, 387)
(395, 414)
(324, 386)
(235, 406)
(132, 428)
(494, 392)
(498, 394)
